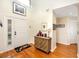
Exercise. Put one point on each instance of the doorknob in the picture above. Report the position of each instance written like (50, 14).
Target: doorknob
(15, 33)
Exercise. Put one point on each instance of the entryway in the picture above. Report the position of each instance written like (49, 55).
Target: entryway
(14, 33)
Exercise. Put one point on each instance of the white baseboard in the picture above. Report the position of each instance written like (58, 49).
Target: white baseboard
(31, 42)
(52, 50)
(64, 43)
(6, 50)
(77, 55)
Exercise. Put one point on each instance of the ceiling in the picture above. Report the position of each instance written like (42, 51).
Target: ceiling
(54, 4)
(71, 10)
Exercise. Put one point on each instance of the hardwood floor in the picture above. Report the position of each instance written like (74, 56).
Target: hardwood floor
(62, 51)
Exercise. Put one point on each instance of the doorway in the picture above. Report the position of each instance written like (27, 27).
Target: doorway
(65, 19)
(15, 33)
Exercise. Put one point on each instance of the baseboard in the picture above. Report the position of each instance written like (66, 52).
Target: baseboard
(73, 43)
(31, 42)
(52, 50)
(6, 50)
(77, 55)
(63, 43)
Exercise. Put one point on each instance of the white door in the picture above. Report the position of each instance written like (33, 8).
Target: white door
(15, 33)
(19, 32)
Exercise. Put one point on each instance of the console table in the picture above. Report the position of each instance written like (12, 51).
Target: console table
(43, 43)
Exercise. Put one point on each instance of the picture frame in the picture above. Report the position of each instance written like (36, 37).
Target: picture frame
(19, 9)
(44, 26)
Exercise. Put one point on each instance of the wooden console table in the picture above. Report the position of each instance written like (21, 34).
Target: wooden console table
(43, 43)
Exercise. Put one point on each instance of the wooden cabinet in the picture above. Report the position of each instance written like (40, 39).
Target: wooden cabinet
(43, 43)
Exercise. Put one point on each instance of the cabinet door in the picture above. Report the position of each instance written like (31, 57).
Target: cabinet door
(43, 44)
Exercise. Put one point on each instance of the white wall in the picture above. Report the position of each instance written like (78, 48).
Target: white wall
(68, 34)
(6, 10)
(61, 33)
(73, 29)
(42, 12)
(78, 38)
(54, 31)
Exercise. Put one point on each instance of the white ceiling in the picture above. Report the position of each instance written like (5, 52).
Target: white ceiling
(53, 3)
(58, 5)
(71, 10)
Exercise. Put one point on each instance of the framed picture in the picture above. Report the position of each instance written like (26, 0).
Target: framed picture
(19, 9)
(44, 26)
